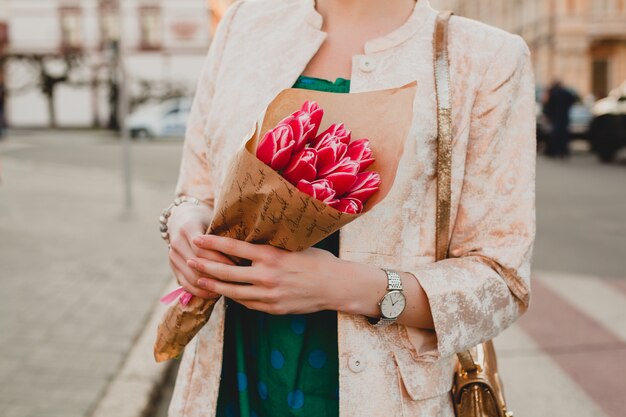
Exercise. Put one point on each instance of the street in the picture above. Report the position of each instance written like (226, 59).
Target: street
(79, 277)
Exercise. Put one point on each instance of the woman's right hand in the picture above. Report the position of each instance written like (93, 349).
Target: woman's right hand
(187, 222)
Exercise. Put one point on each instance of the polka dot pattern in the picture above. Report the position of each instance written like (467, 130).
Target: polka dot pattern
(295, 399)
(277, 359)
(262, 389)
(242, 381)
(317, 358)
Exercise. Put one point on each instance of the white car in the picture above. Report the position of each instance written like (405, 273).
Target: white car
(166, 119)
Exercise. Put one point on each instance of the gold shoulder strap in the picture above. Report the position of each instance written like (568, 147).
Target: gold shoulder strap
(444, 151)
(444, 133)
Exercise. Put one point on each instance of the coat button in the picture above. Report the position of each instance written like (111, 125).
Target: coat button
(367, 64)
(356, 364)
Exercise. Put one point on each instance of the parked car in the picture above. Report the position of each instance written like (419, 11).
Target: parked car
(607, 132)
(167, 119)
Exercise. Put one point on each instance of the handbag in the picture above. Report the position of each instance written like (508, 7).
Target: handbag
(477, 389)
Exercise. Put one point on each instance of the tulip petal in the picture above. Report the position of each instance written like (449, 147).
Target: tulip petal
(344, 165)
(316, 120)
(282, 157)
(342, 181)
(364, 163)
(301, 171)
(348, 205)
(324, 190)
(370, 179)
(306, 187)
(363, 194)
(302, 166)
(266, 148)
(297, 129)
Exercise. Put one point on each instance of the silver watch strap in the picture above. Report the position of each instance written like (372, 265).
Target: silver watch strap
(382, 322)
(393, 280)
(394, 283)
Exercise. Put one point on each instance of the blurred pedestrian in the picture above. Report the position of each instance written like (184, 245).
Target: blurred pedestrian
(557, 107)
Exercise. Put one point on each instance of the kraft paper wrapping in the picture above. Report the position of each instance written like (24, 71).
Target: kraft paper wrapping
(256, 204)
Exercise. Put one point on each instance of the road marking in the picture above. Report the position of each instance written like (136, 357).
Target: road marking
(534, 384)
(592, 356)
(593, 297)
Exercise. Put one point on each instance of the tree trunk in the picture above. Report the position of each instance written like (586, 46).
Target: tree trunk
(51, 110)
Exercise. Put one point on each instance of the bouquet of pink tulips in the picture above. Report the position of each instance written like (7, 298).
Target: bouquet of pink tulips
(290, 186)
(328, 166)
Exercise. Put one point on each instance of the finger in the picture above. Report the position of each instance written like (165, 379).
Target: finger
(234, 247)
(270, 308)
(182, 247)
(210, 255)
(234, 291)
(187, 278)
(187, 250)
(224, 272)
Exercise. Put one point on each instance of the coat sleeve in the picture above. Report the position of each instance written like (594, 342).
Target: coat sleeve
(484, 285)
(194, 177)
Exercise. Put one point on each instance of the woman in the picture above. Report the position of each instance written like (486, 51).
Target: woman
(406, 367)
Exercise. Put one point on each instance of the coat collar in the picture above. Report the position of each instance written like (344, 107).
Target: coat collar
(416, 22)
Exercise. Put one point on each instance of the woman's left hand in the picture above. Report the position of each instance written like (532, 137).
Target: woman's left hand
(277, 281)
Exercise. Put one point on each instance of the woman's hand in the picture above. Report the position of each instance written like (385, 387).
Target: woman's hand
(187, 222)
(282, 282)
(277, 281)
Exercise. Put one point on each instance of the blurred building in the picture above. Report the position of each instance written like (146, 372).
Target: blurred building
(60, 55)
(581, 42)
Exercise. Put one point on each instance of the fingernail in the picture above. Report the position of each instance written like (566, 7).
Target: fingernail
(192, 263)
(198, 240)
(202, 283)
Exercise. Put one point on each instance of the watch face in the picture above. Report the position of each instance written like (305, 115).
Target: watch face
(392, 304)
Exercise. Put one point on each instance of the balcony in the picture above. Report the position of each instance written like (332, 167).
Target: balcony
(607, 25)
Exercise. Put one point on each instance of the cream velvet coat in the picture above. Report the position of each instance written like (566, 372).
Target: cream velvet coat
(260, 48)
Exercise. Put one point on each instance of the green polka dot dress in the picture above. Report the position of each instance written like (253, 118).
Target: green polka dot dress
(287, 365)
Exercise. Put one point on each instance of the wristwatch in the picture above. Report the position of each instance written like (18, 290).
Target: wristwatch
(393, 302)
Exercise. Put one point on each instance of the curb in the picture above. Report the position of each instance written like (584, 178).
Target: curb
(134, 391)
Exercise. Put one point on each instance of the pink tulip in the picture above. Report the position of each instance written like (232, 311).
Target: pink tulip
(315, 113)
(319, 189)
(329, 151)
(360, 150)
(367, 183)
(304, 123)
(302, 166)
(347, 205)
(276, 147)
(337, 130)
(342, 174)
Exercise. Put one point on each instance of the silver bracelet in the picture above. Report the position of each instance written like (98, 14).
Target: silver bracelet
(167, 212)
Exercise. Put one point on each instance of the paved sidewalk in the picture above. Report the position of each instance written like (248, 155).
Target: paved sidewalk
(77, 283)
(567, 356)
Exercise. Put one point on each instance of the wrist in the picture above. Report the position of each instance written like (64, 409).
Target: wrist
(188, 209)
(357, 288)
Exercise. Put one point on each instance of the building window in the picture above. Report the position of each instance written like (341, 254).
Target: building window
(4, 36)
(109, 24)
(71, 28)
(150, 27)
